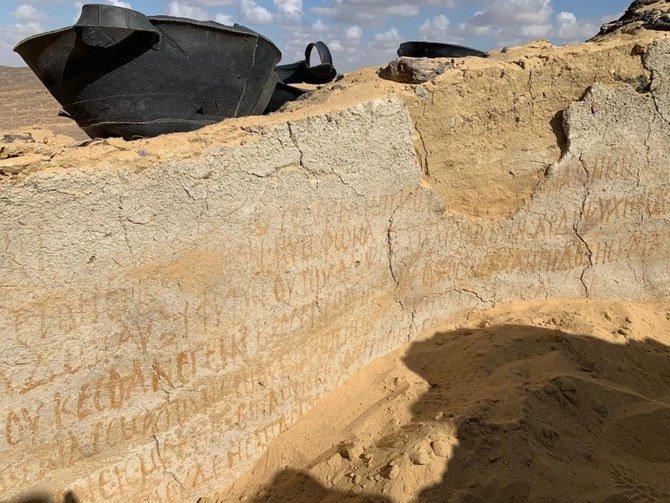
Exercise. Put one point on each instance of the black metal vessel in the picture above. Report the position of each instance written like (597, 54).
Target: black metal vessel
(117, 72)
(302, 72)
(437, 50)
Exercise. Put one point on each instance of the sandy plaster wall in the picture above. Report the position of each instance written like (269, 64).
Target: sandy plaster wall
(162, 325)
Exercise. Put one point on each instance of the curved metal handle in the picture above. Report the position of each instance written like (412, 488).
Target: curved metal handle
(303, 72)
(324, 53)
(107, 25)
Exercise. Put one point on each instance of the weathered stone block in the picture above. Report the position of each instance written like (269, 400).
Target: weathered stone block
(164, 318)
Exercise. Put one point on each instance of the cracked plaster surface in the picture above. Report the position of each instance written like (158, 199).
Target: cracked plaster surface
(162, 326)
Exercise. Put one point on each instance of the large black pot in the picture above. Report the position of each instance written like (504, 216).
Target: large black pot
(437, 50)
(302, 72)
(120, 73)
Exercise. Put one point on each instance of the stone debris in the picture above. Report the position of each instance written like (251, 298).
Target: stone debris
(393, 472)
(414, 70)
(648, 14)
(440, 448)
(352, 452)
(420, 456)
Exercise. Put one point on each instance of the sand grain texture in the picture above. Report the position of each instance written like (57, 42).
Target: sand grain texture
(562, 400)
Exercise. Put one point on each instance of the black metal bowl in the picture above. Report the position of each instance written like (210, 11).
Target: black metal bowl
(437, 50)
(117, 72)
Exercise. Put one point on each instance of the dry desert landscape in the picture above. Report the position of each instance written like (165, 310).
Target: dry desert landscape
(445, 280)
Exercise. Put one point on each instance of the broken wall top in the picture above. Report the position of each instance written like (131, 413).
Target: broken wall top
(466, 82)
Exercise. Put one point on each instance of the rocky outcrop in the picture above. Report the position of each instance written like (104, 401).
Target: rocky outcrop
(648, 14)
(414, 70)
(169, 306)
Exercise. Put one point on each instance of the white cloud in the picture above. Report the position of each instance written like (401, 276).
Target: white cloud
(375, 11)
(387, 41)
(118, 3)
(568, 27)
(436, 28)
(353, 33)
(386, 37)
(183, 9)
(469, 30)
(214, 3)
(224, 19)
(319, 27)
(115, 3)
(255, 13)
(514, 12)
(337, 46)
(28, 13)
(289, 10)
(439, 29)
(383, 47)
(11, 35)
(535, 31)
(510, 22)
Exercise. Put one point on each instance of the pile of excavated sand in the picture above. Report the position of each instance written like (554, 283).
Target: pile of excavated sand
(510, 404)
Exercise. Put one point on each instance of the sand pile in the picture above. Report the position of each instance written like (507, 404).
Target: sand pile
(508, 404)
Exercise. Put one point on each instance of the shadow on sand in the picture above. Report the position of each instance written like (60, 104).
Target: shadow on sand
(45, 497)
(300, 487)
(541, 415)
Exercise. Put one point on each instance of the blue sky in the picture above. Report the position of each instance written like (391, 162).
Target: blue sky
(359, 32)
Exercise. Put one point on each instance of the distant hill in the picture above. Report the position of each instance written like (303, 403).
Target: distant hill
(25, 102)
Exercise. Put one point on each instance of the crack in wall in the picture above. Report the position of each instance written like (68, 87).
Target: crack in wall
(577, 225)
(413, 331)
(294, 139)
(190, 196)
(658, 109)
(653, 93)
(165, 470)
(474, 294)
(530, 91)
(162, 384)
(648, 148)
(122, 221)
(424, 164)
(337, 175)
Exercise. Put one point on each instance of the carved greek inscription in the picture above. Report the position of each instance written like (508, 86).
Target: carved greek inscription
(221, 372)
(621, 165)
(23, 424)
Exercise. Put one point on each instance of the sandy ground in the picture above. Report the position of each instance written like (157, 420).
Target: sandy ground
(564, 400)
(25, 103)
